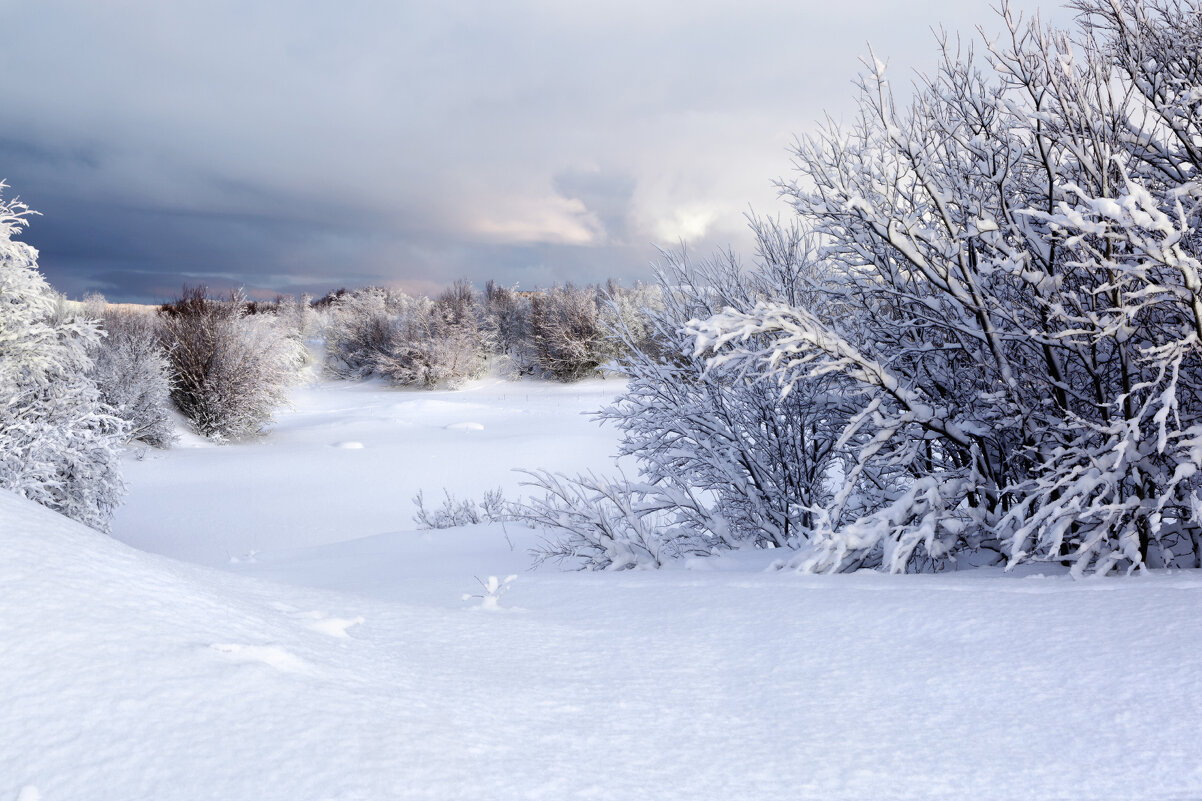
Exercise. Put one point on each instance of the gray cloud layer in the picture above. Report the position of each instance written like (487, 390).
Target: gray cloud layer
(297, 145)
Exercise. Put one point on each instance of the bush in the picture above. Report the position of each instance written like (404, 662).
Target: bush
(229, 372)
(726, 459)
(132, 373)
(507, 320)
(59, 442)
(1019, 254)
(409, 341)
(566, 332)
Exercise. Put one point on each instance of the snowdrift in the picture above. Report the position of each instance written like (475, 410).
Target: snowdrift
(125, 675)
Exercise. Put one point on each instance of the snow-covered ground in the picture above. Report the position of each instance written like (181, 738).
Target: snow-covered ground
(346, 460)
(291, 637)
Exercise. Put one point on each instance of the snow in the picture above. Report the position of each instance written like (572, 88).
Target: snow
(337, 658)
(346, 460)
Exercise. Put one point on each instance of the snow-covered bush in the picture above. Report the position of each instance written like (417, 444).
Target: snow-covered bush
(726, 459)
(566, 332)
(1021, 251)
(358, 330)
(453, 512)
(229, 371)
(739, 460)
(625, 318)
(132, 372)
(293, 318)
(409, 341)
(604, 524)
(59, 442)
(507, 319)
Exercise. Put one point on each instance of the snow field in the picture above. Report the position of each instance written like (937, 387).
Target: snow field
(347, 459)
(340, 660)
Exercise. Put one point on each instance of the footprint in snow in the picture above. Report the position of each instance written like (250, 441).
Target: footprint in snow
(271, 655)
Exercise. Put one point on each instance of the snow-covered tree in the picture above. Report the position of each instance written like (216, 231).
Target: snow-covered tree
(132, 373)
(567, 333)
(506, 318)
(1022, 246)
(726, 459)
(59, 442)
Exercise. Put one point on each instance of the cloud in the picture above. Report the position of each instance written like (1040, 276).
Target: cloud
(298, 144)
(604, 195)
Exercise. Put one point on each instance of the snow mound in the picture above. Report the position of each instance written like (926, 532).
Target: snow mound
(465, 427)
(271, 655)
(335, 626)
(350, 445)
(128, 675)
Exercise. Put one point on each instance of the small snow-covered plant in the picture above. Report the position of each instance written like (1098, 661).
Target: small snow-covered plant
(132, 373)
(492, 508)
(230, 373)
(604, 524)
(59, 442)
(493, 589)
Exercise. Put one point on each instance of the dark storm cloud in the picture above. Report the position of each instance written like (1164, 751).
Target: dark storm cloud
(290, 145)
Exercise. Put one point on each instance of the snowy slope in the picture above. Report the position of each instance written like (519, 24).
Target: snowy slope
(348, 667)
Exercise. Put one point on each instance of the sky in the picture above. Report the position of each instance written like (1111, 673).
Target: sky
(289, 146)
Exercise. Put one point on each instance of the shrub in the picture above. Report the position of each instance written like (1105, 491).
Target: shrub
(229, 372)
(59, 441)
(566, 332)
(1020, 253)
(409, 341)
(725, 458)
(132, 373)
(507, 320)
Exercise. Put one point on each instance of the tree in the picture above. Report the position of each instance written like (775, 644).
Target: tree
(725, 458)
(568, 339)
(59, 442)
(132, 373)
(1022, 246)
